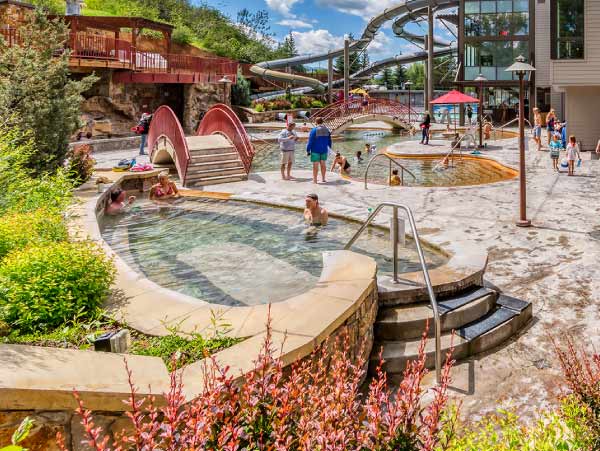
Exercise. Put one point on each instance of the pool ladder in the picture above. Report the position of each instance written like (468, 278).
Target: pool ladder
(391, 160)
(395, 232)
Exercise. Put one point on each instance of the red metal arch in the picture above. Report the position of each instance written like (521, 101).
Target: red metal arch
(166, 125)
(221, 119)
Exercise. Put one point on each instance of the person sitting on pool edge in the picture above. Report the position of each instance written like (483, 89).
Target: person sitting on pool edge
(164, 189)
(395, 178)
(117, 202)
(314, 214)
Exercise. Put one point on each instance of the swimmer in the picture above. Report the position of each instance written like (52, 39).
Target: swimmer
(367, 148)
(314, 214)
(117, 202)
(342, 162)
(164, 189)
(358, 158)
(395, 178)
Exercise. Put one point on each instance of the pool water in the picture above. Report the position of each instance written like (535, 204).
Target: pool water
(238, 253)
(427, 171)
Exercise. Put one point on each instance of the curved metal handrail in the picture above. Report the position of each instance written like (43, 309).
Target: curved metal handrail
(432, 300)
(514, 120)
(392, 160)
(456, 146)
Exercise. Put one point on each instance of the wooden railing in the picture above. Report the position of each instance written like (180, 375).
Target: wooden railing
(90, 46)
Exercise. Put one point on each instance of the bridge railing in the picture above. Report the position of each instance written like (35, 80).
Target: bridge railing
(165, 125)
(221, 119)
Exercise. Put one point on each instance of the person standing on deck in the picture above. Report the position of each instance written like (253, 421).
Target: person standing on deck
(319, 143)
(287, 145)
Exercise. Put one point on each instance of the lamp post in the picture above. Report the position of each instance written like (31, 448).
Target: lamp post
(480, 79)
(521, 68)
(225, 80)
(409, 84)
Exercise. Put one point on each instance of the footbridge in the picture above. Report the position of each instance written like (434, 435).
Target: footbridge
(341, 115)
(220, 150)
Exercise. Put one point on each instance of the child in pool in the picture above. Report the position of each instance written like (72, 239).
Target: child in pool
(358, 158)
(555, 146)
(395, 178)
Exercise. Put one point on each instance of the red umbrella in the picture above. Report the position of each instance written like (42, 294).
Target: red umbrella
(454, 98)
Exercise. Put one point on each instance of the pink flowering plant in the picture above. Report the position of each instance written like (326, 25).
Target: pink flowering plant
(315, 405)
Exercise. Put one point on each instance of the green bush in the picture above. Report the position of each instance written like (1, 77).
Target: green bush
(42, 287)
(183, 35)
(316, 104)
(81, 164)
(259, 108)
(240, 92)
(42, 227)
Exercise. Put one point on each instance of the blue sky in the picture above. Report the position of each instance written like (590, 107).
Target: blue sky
(319, 25)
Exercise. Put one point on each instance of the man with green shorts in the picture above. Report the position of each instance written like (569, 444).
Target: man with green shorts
(319, 143)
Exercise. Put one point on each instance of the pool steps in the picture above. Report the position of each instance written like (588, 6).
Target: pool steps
(475, 320)
(210, 166)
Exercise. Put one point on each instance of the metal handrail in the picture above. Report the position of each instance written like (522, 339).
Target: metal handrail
(392, 160)
(434, 305)
(514, 120)
(456, 146)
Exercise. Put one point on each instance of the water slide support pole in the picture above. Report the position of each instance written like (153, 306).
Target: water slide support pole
(429, 59)
(346, 67)
(330, 79)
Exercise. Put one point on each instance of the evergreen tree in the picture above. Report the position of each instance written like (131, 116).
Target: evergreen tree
(416, 74)
(36, 93)
(288, 48)
(364, 61)
(387, 78)
(240, 92)
(355, 62)
(399, 75)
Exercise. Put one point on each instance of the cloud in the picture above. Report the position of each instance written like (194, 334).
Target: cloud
(294, 23)
(283, 7)
(316, 41)
(362, 8)
(381, 44)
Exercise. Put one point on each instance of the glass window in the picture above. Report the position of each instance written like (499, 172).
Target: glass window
(568, 29)
(504, 6)
(472, 7)
(473, 25)
(520, 24)
(491, 58)
(488, 7)
(521, 6)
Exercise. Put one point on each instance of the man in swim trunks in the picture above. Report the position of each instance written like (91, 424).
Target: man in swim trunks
(314, 214)
(119, 202)
(319, 143)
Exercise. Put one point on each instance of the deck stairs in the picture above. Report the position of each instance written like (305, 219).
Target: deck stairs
(213, 160)
(474, 319)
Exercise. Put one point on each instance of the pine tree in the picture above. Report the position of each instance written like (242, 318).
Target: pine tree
(288, 48)
(399, 75)
(364, 61)
(387, 77)
(355, 62)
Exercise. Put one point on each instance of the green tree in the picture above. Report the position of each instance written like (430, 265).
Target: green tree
(387, 78)
(355, 61)
(416, 74)
(36, 92)
(364, 60)
(288, 47)
(399, 76)
(240, 92)
(444, 71)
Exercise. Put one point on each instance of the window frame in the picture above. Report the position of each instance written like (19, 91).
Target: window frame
(555, 40)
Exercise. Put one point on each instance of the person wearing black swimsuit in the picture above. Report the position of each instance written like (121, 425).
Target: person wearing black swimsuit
(342, 161)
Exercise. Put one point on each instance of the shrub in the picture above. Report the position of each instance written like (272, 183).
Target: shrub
(42, 227)
(316, 104)
(42, 287)
(317, 406)
(183, 35)
(259, 108)
(240, 92)
(81, 164)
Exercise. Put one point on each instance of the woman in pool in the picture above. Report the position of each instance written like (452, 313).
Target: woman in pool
(314, 214)
(164, 189)
(342, 162)
(117, 202)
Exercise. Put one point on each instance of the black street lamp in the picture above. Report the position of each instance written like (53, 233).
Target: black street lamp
(521, 68)
(226, 81)
(480, 79)
(408, 84)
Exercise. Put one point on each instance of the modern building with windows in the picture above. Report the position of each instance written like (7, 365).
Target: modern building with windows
(558, 37)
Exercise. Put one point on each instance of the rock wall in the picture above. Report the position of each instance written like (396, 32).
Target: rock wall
(198, 98)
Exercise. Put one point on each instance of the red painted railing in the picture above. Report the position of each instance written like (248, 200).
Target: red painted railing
(221, 119)
(341, 112)
(166, 125)
(84, 45)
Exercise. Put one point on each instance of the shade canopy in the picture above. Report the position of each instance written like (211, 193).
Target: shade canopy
(453, 98)
(359, 91)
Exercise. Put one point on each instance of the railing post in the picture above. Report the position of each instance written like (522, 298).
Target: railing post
(395, 241)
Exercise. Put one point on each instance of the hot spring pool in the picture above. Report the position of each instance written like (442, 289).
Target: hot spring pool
(237, 253)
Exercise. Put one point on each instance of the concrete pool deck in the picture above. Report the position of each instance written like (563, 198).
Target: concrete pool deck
(552, 264)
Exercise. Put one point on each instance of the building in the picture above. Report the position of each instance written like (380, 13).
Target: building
(138, 71)
(556, 36)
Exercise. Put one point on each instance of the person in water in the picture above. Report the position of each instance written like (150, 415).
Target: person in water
(358, 158)
(342, 162)
(314, 214)
(368, 148)
(164, 189)
(395, 178)
(117, 202)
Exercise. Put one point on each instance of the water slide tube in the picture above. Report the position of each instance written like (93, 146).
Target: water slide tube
(267, 69)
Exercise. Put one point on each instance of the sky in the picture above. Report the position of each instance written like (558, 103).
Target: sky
(320, 25)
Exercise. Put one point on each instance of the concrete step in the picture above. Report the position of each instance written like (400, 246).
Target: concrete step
(201, 174)
(407, 322)
(215, 151)
(203, 158)
(216, 180)
(495, 328)
(219, 164)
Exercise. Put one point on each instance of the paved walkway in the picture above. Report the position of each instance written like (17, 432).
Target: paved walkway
(552, 264)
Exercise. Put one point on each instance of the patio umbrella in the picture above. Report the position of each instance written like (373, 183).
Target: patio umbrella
(454, 98)
(359, 91)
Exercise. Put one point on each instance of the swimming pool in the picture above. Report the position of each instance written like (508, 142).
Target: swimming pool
(427, 170)
(238, 253)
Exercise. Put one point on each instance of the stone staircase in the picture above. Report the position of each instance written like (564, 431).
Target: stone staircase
(214, 160)
(473, 320)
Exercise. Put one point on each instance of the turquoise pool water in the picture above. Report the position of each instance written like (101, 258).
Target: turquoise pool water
(238, 253)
